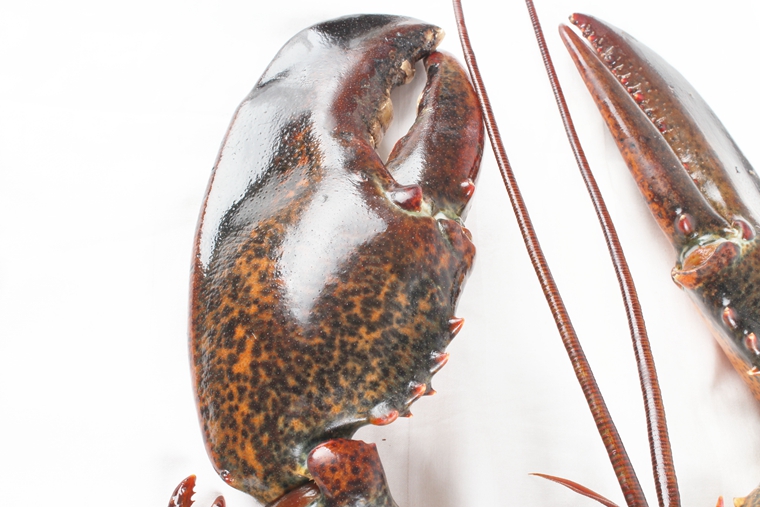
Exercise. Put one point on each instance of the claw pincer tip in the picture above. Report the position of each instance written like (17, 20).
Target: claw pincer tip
(694, 178)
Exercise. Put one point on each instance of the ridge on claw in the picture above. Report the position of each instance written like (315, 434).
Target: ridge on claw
(325, 281)
(702, 191)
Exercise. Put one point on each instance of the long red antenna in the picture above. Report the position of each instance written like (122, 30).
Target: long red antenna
(657, 429)
(629, 483)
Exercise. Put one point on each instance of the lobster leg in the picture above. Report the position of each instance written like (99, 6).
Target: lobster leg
(701, 190)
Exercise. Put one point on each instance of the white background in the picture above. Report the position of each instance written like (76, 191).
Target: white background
(110, 120)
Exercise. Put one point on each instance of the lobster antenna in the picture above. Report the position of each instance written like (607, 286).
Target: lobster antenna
(629, 483)
(657, 429)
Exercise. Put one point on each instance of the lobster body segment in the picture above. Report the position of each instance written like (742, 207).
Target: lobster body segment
(701, 190)
(324, 283)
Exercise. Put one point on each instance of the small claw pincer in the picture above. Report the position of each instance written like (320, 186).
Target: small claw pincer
(325, 281)
(183, 495)
(701, 190)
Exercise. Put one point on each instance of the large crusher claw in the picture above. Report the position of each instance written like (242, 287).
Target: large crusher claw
(325, 280)
(700, 188)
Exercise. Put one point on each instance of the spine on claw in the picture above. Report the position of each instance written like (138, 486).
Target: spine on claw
(700, 188)
(325, 281)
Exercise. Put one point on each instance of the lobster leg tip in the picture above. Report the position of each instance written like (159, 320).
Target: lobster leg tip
(183, 494)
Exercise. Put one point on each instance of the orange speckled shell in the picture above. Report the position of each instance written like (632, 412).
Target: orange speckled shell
(320, 303)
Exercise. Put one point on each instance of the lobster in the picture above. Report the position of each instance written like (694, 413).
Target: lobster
(543, 351)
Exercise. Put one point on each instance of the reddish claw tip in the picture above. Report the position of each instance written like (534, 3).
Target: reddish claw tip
(183, 493)
(382, 420)
(417, 391)
(455, 325)
(408, 197)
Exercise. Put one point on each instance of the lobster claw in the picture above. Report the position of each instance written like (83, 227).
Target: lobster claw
(325, 280)
(701, 190)
(183, 495)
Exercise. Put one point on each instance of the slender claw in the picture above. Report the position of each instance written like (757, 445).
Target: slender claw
(183, 493)
(702, 146)
(657, 137)
(700, 188)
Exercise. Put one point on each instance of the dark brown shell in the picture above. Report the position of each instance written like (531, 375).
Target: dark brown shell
(323, 290)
